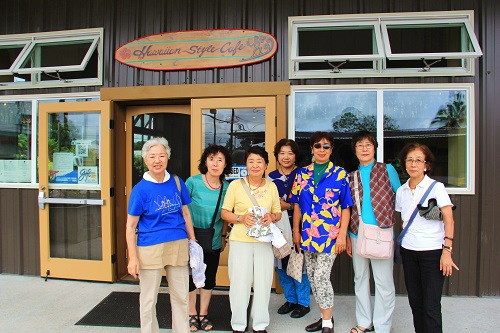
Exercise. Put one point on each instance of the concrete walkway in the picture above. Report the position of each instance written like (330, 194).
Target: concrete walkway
(29, 304)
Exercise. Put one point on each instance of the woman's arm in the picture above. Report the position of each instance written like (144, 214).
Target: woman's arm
(189, 222)
(224, 234)
(130, 235)
(446, 264)
(296, 225)
(341, 242)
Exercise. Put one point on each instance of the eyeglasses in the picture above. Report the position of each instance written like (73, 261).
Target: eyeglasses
(325, 146)
(417, 161)
(366, 145)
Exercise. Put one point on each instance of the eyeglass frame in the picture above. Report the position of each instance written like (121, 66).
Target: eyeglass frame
(366, 145)
(417, 161)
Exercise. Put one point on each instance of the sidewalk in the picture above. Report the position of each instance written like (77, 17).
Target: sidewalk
(29, 304)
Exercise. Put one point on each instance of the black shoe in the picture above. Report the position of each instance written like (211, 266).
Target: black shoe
(300, 311)
(316, 326)
(327, 330)
(287, 307)
(238, 331)
(260, 331)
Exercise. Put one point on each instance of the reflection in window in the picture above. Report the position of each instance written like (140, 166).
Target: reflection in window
(437, 117)
(236, 129)
(340, 112)
(15, 141)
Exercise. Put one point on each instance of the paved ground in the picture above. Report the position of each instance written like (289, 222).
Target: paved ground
(29, 304)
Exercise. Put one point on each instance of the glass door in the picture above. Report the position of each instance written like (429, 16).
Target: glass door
(75, 203)
(236, 123)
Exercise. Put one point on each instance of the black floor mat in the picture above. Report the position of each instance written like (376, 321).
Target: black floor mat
(121, 309)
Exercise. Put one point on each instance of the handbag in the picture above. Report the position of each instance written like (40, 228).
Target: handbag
(295, 265)
(398, 259)
(373, 242)
(432, 211)
(281, 252)
(204, 237)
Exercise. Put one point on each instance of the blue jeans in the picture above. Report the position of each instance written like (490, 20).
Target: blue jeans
(295, 291)
(424, 283)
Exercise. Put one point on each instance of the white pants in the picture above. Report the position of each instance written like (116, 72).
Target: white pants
(250, 264)
(381, 315)
(178, 288)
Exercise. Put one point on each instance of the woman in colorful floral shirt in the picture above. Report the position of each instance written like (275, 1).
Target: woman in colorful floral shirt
(322, 201)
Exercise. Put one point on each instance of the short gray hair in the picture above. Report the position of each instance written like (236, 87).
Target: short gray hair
(153, 142)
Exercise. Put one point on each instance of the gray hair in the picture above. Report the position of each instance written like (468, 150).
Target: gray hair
(153, 142)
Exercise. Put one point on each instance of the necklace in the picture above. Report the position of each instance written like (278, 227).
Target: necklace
(209, 185)
(250, 185)
(413, 188)
(285, 183)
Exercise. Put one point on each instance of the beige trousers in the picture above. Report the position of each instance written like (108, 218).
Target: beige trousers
(174, 258)
(178, 287)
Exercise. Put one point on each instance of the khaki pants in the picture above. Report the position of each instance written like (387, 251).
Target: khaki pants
(153, 260)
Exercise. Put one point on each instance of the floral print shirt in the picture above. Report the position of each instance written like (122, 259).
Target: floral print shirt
(321, 206)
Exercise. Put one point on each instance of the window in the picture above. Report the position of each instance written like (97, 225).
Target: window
(396, 44)
(51, 59)
(18, 135)
(439, 116)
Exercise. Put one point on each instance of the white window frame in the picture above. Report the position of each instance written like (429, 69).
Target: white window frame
(324, 22)
(35, 102)
(469, 189)
(381, 43)
(95, 36)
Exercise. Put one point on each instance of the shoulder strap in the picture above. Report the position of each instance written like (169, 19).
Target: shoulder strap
(176, 178)
(250, 195)
(412, 217)
(218, 204)
(356, 195)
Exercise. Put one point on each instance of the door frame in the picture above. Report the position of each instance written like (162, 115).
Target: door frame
(125, 97)
(103, 270)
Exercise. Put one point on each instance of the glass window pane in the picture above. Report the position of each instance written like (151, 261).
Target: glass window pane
(340, 112)
(74, 148)
(335, 41)
(75, 231)
(8, 54)
(437, 118)
(236, 129)
(15, 141)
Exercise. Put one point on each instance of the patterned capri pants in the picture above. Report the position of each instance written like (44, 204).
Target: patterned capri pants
(319, 268)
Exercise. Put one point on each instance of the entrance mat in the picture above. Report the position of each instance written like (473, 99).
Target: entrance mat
(121, 309)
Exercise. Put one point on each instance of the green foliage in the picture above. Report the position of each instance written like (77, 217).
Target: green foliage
(453, 114)
(351, 122)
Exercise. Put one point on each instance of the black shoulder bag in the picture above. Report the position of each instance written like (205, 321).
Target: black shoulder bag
(204, 237)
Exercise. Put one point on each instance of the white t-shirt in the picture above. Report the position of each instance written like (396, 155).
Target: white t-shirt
(423, 235)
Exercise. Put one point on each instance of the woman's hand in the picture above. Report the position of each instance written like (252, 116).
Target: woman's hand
(248, 220)
(224, 242)
(446, 263)
(284, 205)
(296, 238)
(341, 243)
(269, 218)
(133, 267)
(349, 247)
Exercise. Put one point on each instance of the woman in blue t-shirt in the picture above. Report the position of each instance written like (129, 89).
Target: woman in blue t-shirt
(205, 189)
(158, 228)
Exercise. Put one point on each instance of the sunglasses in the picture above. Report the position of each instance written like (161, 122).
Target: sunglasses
(325, 146)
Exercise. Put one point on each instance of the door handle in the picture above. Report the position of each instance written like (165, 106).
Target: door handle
(42, 200)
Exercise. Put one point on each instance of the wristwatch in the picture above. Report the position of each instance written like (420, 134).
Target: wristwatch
(238, 218)
(449, 248)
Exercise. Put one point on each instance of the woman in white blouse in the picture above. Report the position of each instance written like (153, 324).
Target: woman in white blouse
(427, 246)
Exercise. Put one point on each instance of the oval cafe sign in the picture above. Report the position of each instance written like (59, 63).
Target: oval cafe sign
(198, 49)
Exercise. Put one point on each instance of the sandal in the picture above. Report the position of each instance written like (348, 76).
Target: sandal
(356, 329)
(194, 323)
(205, 324)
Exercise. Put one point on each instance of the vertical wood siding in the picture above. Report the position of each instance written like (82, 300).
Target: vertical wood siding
(477, 233)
